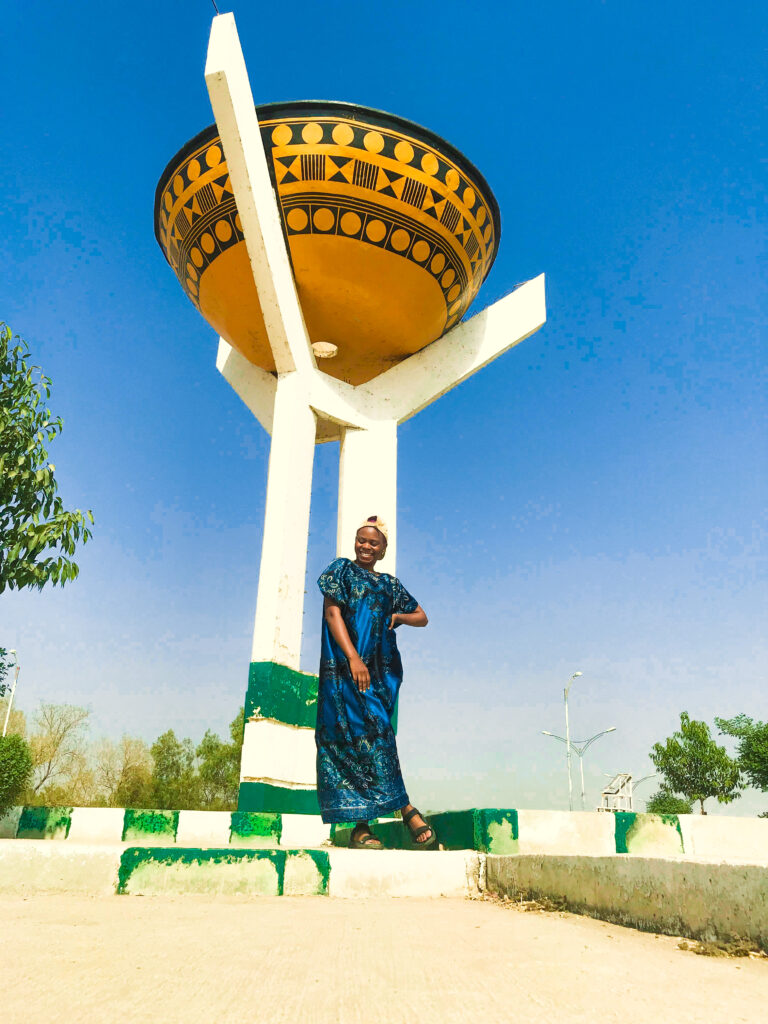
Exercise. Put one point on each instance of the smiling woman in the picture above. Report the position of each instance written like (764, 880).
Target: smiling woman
(358, 770)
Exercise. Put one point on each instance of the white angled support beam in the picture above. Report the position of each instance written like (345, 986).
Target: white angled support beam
(280, 601)
(232, 101)
(424, 377)
(255, 386)
(368, 486)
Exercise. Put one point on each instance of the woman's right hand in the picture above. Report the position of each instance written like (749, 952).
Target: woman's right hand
(360, 673)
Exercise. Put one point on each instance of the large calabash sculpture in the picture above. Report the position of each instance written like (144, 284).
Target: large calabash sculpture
(391, 232)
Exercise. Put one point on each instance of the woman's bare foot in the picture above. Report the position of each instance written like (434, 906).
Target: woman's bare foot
(415, 823)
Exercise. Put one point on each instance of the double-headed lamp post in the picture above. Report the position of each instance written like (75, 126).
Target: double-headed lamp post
(13, 689)
(580, 746)
(568, 739)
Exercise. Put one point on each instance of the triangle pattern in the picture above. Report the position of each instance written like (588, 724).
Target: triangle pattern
(287, 169)
(339, 169)
(193, 210)
(433, 203)
(220, 186)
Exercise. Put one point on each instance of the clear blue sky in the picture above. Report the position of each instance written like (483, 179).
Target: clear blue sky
(593, 500)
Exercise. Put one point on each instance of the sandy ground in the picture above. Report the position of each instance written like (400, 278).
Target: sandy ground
(315, 961)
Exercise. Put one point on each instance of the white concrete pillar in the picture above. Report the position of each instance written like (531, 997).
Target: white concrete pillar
(368, 486)
(280, 602)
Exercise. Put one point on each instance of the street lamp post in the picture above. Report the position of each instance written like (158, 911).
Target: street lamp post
(568, 739)
(13, 689)
(580, 746)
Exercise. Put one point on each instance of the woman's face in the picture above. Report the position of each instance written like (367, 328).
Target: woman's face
(370, 546)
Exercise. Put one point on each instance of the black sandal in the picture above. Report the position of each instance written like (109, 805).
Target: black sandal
(364, 833)
(422, 830)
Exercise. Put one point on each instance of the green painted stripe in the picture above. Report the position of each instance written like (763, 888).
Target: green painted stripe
(282, 694)
(246, 825)
(629, 827)
(44, 823)
(139, 824)
(261, 796)
(136, 859)
(488, 830)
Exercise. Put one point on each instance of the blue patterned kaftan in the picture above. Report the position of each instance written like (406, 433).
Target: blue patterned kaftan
(358, 770)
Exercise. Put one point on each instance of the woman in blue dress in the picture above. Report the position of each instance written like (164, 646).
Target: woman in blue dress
(358, 770)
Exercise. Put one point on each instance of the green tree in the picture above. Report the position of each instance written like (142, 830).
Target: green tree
(5, 667)
(15, 770)
(693, 764)
(175, 783)
(38, 536)
(752, 749)
(219, 767)
(665, 802)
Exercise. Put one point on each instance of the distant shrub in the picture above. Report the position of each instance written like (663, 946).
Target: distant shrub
(665, 802)
(15, 770)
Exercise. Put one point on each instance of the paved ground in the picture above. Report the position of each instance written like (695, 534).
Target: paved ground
(322, 961)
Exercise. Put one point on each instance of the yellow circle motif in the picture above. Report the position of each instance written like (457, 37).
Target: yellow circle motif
(282, 135)
(373, 142)
(437, 263)
(350, 223)
(312, 133)
(197, 257)
(207, 243)
(420, 251)
(429, 164)
(192, 286)
(452, 179)
(213, 156)
(168, 201)
(481, 215)
(400, 239)
(455, 308)
(223, 230)
(469, 198)
(193, 169)
(238, 223)
(447, 278)
(453, 294)
(191, 271)
(178, 184)
(404, 152)
(323, 219)
(343, 134)
(297, 219)
(375, 230)
(487, 234)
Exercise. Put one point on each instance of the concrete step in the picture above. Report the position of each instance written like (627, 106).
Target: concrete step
(39, 867)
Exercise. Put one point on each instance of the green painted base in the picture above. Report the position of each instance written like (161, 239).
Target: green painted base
(260, 796)
(282, 694)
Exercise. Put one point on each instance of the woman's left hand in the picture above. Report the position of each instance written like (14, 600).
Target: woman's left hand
(394, 620)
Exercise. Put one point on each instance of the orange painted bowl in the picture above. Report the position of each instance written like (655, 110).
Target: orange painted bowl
(390, 230)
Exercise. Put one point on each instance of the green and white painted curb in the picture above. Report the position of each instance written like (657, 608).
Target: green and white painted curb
(164, 828)
(278, 762)
(39, 868)
(485, 830)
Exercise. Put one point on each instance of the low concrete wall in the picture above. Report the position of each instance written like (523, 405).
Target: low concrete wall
(700, 899)
(721, 837)
(38, 867)
(486, 830)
